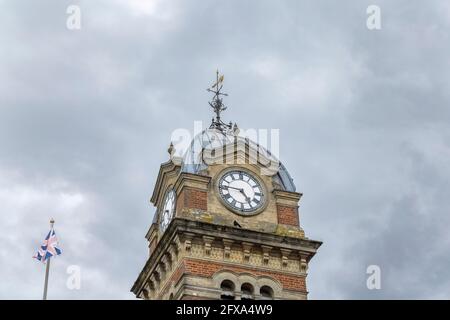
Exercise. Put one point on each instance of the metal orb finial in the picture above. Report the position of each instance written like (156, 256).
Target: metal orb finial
(236, 129)
(171, 150)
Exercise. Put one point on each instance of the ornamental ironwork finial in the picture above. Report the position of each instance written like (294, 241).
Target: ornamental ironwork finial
(217, 104)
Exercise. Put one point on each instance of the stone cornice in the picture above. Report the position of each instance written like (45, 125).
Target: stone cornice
(167, 239)
(191, 180)
(287, 197)
(246, 235)
(165, 168)
(150, 231)
(304, 247)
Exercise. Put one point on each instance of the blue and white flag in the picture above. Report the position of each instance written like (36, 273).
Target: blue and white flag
(49, 248)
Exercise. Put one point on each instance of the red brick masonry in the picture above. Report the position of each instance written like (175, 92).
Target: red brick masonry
(287, 215)
(207, 269)
(192, 199)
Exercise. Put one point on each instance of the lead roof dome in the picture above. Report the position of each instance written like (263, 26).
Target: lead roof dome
(210, 139)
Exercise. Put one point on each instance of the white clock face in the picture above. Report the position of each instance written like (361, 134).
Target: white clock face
(241, 191)
(168, 209)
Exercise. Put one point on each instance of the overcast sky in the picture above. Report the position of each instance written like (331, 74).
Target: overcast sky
(86, 117)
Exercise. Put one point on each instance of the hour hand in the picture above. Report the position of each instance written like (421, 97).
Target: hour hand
(245, 195)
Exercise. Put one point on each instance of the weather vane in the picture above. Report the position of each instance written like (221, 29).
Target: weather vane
(217, 104)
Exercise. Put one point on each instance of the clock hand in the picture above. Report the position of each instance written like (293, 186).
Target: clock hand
(228, 187)
(245, 195)
(240, 190)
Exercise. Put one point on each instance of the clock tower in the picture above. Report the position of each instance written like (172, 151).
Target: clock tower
(226, 224)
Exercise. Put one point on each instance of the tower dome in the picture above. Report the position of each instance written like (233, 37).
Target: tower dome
(196, 159)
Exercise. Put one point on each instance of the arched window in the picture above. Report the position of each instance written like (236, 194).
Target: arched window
(266, 292)
(247, 291)
(227, 287)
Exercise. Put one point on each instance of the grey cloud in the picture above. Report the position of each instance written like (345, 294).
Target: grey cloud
(86, 117)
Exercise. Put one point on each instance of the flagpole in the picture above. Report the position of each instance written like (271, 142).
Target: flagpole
(47, 268)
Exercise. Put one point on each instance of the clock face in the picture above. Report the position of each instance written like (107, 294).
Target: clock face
(241, 191)
(168, 209)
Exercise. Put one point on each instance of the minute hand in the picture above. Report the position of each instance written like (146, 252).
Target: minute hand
(239, 189)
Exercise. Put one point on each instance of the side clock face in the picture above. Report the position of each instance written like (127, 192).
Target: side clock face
(168, 210)
(241, 191)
